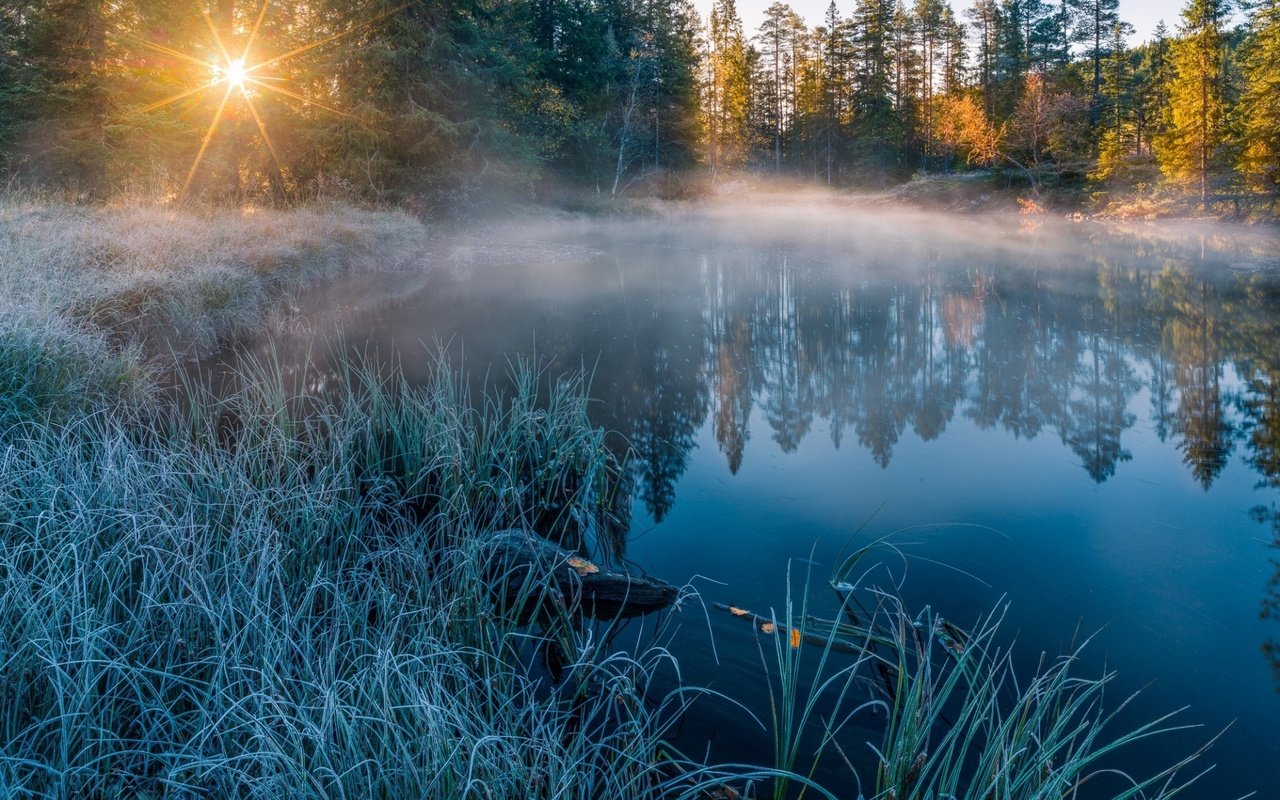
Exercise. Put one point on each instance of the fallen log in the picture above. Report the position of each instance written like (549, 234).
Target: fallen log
(530, 574)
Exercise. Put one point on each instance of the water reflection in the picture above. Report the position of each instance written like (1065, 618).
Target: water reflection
(871, 337)
(881, 340)
(1024, 352)
(1261, 404)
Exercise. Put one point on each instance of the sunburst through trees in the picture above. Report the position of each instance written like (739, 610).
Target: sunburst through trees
(242, 74)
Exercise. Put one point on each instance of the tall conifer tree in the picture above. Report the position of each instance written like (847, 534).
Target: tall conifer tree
(1260, 103)
(1189, 149)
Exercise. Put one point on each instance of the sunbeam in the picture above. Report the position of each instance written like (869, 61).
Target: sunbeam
(208, 137)
(237, 76)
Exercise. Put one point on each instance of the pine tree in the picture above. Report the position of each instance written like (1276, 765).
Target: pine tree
(1091, 24)
(777, 39)
(906, 91)
(1189, 149)
(984, 18)
(727, 89)
(1048, 45)
(930, 27)
(956, 53)
(1260, 103)
(836, 53)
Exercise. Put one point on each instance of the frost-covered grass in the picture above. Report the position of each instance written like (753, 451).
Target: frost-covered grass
(52, 370)
(185, 280)
(273, 596)
(950, 714)
(283, 593)
(883, 702)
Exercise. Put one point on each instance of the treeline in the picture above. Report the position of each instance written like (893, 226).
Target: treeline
(1047, 89)
(428, 99)
(436, 101)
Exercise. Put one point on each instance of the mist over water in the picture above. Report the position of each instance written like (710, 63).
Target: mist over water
(1082, 420)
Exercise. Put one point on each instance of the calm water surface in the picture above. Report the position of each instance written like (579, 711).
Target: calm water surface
(1080, 421)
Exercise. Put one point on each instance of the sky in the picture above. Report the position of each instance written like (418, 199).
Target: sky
(1142, 14)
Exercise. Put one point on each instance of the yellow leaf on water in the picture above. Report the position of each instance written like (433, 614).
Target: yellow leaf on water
(795, 638)
(583, 566)
(739, 612)
(767, 627)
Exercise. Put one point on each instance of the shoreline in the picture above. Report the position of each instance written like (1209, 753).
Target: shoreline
(291, 555)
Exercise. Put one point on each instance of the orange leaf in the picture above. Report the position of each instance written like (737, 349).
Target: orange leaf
(767, 627)
(583, 566)
(739, 612)
(795, 638)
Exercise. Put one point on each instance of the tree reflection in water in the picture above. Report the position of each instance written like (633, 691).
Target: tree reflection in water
(888, 336)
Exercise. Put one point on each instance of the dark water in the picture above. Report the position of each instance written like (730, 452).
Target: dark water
(1083, 422)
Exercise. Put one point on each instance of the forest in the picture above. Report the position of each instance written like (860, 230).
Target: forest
(436, 103)
(362, 364)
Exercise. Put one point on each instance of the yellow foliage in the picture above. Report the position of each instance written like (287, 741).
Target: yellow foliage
(964, 128)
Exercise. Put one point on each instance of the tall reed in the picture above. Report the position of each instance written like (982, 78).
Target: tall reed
(943, 708)
(280, 594)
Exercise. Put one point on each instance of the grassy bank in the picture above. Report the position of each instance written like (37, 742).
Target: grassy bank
(982, 191)
(286, 592)
(289, 595)
(242, 600)
(183, 280)
(271, 594)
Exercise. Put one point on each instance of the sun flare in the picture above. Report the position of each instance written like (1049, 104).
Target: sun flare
(233, 73)
(241, 78)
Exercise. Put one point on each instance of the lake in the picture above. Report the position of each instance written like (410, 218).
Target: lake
(1081, 421)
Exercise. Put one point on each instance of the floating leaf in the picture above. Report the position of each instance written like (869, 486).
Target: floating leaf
(583, 566)
(767, 627)
(795, 638)
(739, 612)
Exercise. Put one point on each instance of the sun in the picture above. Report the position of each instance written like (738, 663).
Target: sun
(233, 73)
(240, 78)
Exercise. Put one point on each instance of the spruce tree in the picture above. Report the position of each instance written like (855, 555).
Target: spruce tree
(1117, 140)
(727, 88)
(1260, 104)
(63, 91)
(1189, 149)
(1154, 75)
(20, 81)
(1091, 25)
(878, 77)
